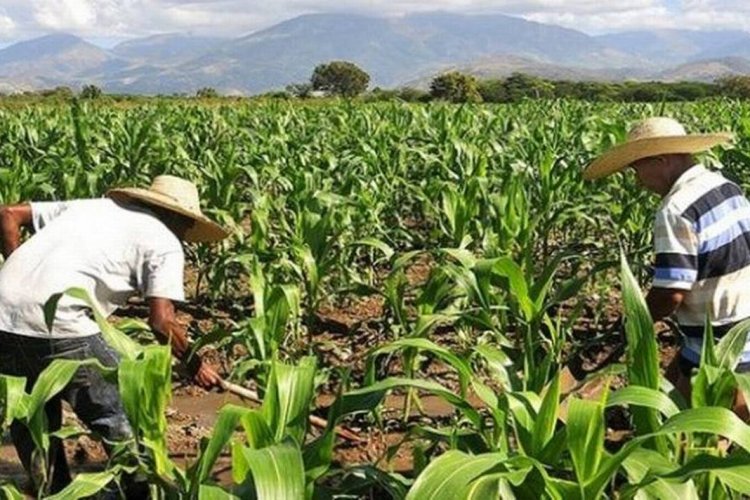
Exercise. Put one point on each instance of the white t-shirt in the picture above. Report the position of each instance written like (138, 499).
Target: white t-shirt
(111, 250)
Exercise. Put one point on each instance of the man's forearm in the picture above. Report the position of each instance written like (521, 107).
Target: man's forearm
(163, 321)
(174, 334)
(11, 232)
(12, 219)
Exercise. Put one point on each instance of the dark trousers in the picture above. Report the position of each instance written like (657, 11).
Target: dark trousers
(94, 400)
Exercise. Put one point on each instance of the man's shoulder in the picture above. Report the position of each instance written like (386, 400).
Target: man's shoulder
(149, 231)
(703, 190)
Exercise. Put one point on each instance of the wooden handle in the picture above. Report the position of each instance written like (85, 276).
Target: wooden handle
(321, 423)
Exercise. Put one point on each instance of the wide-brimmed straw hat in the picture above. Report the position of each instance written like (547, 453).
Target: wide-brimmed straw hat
(179, 196)
(652, 137)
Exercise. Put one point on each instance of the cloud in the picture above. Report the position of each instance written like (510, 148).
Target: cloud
(519, 7)
(650, 17)
(7, 25)
(131, 18)
(64, 14)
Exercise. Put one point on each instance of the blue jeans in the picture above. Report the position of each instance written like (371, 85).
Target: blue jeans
(94, 400)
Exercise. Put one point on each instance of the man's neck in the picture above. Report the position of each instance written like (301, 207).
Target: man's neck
(675, 176)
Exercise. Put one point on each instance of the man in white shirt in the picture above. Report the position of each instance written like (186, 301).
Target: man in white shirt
(114, 248)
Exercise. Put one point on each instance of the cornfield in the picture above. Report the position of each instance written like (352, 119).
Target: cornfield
(487, 260)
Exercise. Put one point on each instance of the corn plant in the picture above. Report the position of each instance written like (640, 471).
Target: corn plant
(544, 454)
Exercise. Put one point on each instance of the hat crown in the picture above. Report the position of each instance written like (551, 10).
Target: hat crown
(183, 192)
(652, 128)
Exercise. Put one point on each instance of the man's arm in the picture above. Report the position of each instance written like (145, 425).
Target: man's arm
(164, 323)
(12, 219)
(664, 301)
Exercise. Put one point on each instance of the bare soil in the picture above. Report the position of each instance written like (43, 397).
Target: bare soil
(343, 334)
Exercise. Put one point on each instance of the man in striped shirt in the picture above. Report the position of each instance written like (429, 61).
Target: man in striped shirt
(701, 236)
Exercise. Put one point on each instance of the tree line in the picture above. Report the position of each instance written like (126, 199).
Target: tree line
(346, 79)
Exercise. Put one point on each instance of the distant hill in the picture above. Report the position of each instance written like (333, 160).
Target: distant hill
(671, 47)
(706, 70)
(54, 60)
(394, 51)
(167, 49)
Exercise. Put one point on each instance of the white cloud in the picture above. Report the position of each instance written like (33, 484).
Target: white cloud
(6, 24)
(474, 6)
(64, 14)
(130, 18)
(654, 17)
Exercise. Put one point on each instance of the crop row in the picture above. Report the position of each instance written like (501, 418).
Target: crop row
(327, 202)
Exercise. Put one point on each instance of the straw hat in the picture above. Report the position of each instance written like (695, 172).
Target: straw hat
(179, 196)
(652, 137)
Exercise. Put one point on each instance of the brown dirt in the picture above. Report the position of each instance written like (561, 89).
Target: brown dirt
(344, 333)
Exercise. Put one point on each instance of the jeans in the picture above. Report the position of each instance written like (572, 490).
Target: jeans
(93, 399)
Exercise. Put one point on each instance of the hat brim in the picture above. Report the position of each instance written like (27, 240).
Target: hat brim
(204, 230)
(623, 155)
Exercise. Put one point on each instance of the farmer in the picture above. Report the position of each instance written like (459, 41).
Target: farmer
(701, 236)
(113, 247)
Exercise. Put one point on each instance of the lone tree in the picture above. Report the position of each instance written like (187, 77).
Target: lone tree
(91, 92)
(520, 85)
(206, 93)
(340, 78)
(455, 87)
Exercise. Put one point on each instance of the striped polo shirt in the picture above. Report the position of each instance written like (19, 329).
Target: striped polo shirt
(702, 244)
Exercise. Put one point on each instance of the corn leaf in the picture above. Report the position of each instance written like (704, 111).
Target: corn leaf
(226, 424)
(86, 485)
(146, 388)
(451, 475)
(634, 395)
(277, 471)
(642, 351)
(207, 492)
(544, 424)
(12, 399)
(585, 431)
(287, 401)
(124, 345)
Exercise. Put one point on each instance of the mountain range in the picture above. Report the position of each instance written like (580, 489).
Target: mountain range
(394, 51)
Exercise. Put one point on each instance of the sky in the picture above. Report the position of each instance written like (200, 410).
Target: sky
(108, 21)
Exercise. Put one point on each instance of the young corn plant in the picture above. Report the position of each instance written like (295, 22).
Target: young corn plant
(503, 297)
(315, 255)
(28, 409)
(276, 308)
(546, 458)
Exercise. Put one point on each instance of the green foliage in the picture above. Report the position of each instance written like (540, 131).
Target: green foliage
(301, 90)
(735, 86)
(340, 78)
(91, 91)
(455, 87)
(520, 86)
(206, 93)
(472, 227)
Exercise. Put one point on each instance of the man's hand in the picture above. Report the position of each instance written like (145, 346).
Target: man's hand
(662, 302)
(164, 323)
(206, 376)
(12, 219)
